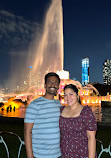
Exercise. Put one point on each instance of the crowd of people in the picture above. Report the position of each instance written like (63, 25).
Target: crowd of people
(55, 131)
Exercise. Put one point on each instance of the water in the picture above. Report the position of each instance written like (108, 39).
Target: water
(19, 113)
(101, 114)
(106, 114)
(97, 112)
(44, 54)
(48, 49)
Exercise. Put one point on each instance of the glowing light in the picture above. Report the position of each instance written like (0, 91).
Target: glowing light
(88, 101)
(83, 101)
(63, 74)
(85, 71)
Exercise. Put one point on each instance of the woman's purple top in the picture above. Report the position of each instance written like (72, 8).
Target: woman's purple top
(74, 141)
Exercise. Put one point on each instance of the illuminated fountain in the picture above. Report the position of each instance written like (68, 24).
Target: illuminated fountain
(43, 54)
(47, 53)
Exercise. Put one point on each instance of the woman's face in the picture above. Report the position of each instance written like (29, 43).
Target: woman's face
(70, 97)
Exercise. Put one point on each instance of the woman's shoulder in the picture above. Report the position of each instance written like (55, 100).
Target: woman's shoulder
(86, 110)
(89, 119)
(87, 113)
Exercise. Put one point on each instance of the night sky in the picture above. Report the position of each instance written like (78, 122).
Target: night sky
(86, 29)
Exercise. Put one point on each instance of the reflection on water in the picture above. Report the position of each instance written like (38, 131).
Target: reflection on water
(97, 111)
(20, 113)
(101, 114)
(106, 114)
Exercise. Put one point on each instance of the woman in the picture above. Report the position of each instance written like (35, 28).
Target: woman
(77, 126)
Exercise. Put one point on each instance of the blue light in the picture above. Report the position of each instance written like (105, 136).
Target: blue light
(85, 71)
(30, 67)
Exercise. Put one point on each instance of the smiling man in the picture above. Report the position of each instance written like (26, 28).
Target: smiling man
(41, 123)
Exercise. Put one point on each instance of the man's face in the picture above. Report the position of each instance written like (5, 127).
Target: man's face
(52, 85)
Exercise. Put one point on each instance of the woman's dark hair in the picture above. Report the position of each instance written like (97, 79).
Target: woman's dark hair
(73, 87)
(51, 74)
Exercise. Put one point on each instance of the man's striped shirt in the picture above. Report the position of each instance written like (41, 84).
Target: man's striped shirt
(44, 113)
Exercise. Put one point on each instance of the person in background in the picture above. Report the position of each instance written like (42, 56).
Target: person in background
(77, 127)
(41, 123)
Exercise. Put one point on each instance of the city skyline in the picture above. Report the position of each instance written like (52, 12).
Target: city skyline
(86, 30)
(107, 72)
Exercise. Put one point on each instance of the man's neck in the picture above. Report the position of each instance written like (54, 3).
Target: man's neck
(48, 96)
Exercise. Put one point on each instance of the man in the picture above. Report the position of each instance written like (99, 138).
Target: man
(41, 127)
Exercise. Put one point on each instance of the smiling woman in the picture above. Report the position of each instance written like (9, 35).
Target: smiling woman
(77, 127)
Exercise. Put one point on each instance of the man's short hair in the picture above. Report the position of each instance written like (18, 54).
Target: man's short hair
(51, 74)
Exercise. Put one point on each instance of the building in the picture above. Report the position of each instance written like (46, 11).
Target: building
(107, 72)
(85, 71)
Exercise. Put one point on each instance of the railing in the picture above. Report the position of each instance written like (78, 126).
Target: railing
(103, 150)
(6, 147)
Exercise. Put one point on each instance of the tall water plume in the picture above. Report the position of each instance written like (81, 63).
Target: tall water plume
(47, 53)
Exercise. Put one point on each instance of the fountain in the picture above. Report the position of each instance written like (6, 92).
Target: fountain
(47, 54)
(43, 54)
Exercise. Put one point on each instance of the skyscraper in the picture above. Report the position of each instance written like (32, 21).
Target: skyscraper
(107, 72)
(85, 70)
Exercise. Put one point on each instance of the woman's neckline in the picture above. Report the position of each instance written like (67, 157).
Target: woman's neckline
(73, 117)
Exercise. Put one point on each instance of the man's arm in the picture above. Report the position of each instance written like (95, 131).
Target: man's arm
(28, 139)
(91, 144)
